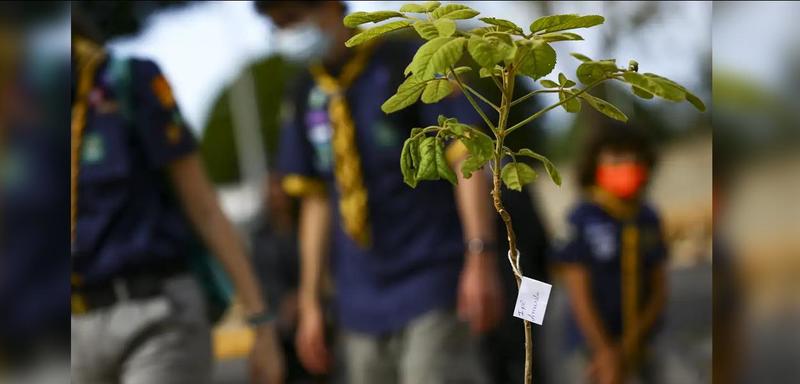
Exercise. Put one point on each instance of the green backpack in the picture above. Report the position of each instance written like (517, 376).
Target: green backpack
(216, 284)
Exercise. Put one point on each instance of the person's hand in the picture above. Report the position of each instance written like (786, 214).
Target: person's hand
(606, 367)
(310, 340)
(480, 295)
(267, 363)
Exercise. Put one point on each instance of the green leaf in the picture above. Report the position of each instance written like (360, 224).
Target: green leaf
(695, 101)
(436, 90)
(436, 56)
(502, 23)
(446, 27)
(407, 163)
(691, 98)
(462, 69)
(415, 149)
(545, 22)
(641, 92)
(604, 107)
(480, 148)
(563, 22)
(442, 167)
(420, 8)
(357, 18)
(431, 5)
(426, 30)
(551, 169)
(591, 71)
(482, 31)
(571, 106)
(548, 83)
(536, 59)
(560, 36)
(488, 52)
(424, 54)
(374, 32)
(564, 82)
(454, 11)
(408, 68)
(503, 36)
(446, 56)
(407, 93)
(441, 120)
(580, 56)
(654, 86)
(426, 169)
(486, 72)
(515, 175)
(458, 128)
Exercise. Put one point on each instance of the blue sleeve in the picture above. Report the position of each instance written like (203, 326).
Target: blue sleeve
(574, 249)
(295, 151)
(164, 134)
(296, 156)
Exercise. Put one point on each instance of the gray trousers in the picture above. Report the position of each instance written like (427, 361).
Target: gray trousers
(165, 339)
(435, 348)
(658, 367)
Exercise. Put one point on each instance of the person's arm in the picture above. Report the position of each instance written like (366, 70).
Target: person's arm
(605, 366)
(199, 201)
(480, 293)
(577, 280)
(313, 237)
(314, 230)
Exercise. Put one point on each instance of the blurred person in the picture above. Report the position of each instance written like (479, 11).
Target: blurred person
(413, 269)
(34, 266)
(614, 262)
(139, 202)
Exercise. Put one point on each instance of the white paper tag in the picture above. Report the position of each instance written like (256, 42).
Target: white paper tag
(532, 300)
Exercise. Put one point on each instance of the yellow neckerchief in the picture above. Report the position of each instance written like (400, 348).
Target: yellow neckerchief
(626, 212)
(347, 161)
(87, 57)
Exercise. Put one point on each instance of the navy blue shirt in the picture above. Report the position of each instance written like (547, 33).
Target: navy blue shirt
(128, 219)
(417, 249)
(594, 241)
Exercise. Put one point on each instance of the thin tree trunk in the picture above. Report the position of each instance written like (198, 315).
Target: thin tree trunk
(508, 91)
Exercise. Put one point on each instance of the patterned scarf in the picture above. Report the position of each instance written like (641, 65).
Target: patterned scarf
(347, 161)
(88, 56)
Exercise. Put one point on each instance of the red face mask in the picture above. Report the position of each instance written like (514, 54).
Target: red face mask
(622, 180)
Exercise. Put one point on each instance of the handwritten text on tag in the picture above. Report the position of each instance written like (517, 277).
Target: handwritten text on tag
(532, 300)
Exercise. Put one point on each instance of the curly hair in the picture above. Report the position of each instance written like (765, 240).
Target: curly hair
(615, 136)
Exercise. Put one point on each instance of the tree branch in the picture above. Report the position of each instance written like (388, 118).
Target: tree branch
(528, 96)
(424, 131)
(566, 99)
(472, 101)
(485, 100)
